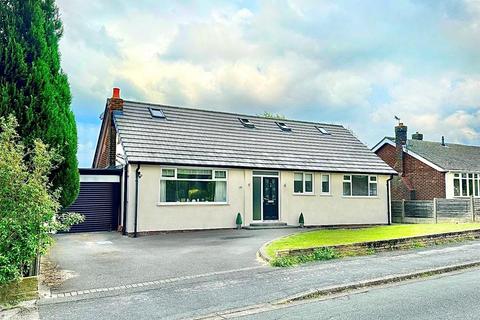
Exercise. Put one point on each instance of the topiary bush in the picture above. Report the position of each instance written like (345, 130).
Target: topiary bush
(239, 220)
(301, 220)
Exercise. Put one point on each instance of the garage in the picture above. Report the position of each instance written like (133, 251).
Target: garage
(98, 200)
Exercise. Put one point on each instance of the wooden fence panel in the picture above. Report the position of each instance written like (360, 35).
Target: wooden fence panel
(397, 207)
(419, 209)
(476, 206)
(453, 208)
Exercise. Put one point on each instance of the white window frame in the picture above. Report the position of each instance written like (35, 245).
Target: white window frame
(329, 184)
(304, 183)
(214, 170)
(369, 181)
(469, 176)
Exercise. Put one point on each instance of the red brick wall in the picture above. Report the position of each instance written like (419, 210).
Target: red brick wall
(107, 155)
(104, 155)
(427, 182)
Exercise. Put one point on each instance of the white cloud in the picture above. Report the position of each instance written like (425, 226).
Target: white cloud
(353, 63)
(436, 107)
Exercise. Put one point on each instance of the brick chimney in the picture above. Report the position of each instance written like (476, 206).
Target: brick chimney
(400, 141)
(115, 103)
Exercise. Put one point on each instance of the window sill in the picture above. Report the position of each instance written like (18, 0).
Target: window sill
(465, 197)
(325, 194)
(167, 204)
(303, 194)
(360, 197)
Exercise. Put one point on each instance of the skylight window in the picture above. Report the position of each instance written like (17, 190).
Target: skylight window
(246, 123)
(283, 126)
(157, 113)
(322, 130)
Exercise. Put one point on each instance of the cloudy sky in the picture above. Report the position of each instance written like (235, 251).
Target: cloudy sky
(357, 63)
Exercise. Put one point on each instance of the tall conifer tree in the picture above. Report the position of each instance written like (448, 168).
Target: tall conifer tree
(33, 86)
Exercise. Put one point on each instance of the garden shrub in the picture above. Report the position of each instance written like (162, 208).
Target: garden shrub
(28, 205)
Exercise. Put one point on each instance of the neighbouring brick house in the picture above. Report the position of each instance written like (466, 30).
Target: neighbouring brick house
(429, 169)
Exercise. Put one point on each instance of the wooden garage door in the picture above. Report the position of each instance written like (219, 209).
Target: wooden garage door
(99, 202)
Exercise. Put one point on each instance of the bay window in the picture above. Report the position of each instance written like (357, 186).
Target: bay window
(303, 182)
(357, 185)
(182, 185)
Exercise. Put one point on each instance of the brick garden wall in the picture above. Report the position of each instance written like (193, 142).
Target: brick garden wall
(427, 182)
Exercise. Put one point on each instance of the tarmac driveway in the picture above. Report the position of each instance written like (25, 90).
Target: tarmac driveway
(106, 259)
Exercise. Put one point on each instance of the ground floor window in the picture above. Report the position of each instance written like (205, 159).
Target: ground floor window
(193, 185)
(360, 185)
(325, 183)
(466, 184)
(303, 182)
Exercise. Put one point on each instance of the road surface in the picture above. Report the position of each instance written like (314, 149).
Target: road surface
(453, 296)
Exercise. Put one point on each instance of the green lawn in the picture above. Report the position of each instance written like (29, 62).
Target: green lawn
(330, 237)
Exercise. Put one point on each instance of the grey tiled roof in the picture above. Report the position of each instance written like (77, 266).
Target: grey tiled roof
(449, 157)
(210, 138)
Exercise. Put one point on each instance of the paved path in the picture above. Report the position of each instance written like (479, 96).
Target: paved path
(449, 297)
(211, 293)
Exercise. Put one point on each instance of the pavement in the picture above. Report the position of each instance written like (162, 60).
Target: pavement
(108, 259)
(453, 296)
(213, 294)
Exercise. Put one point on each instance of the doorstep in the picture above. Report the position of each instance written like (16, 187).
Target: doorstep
(268, 225)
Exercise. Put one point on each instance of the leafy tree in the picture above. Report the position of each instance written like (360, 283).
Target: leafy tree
(33, 86)
(270, 115)
(28, 205)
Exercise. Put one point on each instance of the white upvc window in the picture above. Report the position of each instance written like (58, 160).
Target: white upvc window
(303, 182)
(325, 183)
(358, 185)
(466, 184)
(193, 185)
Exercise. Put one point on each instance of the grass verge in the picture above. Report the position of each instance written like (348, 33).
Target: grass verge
(332, 237)
(321, 254)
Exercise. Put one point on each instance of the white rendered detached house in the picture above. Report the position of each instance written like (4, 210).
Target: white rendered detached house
(187, 169)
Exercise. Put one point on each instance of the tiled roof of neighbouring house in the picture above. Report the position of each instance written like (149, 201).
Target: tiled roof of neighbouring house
(189, 136)
(452, 156)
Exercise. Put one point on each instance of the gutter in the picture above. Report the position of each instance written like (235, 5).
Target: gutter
(125, 198)
(138, 175)
(389, 219)
(214, 166)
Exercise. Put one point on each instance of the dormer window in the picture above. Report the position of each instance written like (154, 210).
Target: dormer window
(322, 130)
(246, 123)
(283, 126)
(157, 113)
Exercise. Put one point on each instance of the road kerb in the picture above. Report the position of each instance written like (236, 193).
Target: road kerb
(377, 282)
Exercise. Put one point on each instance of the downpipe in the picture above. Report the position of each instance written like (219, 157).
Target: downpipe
(125, 198)
(389, 205)
(138, 175)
